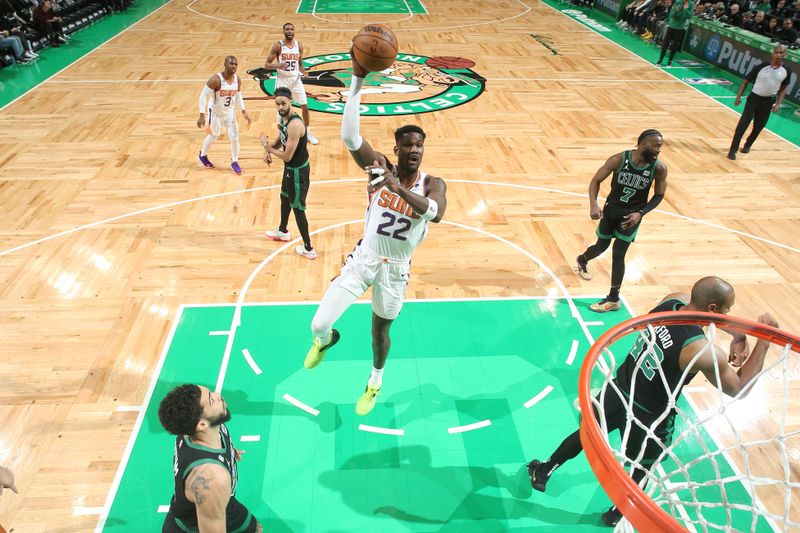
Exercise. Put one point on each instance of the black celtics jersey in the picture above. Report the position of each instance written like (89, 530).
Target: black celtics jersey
(301, 152)
(189, 455)
(630, 185)
(650, 393)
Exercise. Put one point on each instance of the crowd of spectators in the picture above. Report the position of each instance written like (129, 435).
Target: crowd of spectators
(778, 20)
(28, 26)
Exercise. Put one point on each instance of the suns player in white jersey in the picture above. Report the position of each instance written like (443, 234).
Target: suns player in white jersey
(402, 201)
(286, 58)
(224, 89)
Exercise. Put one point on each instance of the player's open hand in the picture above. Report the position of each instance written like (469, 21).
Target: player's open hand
(201, 120)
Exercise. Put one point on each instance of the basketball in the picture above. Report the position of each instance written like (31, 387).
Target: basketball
(375, 47)
(450, 62)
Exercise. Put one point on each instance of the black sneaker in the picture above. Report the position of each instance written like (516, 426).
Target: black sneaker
(731, 155)
(746, 149)
(539, 478)
(612, 516)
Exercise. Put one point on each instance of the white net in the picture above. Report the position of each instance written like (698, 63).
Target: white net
(727, 463)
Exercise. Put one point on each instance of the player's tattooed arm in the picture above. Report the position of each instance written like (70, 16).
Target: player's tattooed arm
(199, 488)
(208, 486)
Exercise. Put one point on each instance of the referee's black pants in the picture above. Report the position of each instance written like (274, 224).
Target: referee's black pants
(756, 110)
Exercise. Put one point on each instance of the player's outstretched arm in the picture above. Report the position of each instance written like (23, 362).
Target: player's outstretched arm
(360, 149)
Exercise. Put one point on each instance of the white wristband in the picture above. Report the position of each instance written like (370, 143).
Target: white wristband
(432, 211)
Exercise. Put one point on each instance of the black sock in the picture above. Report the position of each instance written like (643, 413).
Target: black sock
(613, 294)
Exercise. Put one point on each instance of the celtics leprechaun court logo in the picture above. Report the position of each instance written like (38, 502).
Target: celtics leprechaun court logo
(413, 84)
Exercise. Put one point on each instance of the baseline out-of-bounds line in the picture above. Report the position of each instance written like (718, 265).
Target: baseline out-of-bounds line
(112, 491)
(695, 410)
(361, 180)
(396, 30)
(87, 53)
(314, 14)
(609, 39)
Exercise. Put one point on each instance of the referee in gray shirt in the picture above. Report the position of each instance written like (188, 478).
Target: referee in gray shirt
(768, 80)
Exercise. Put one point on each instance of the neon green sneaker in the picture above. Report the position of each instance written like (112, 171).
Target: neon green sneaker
(317, 351)
(367, 400)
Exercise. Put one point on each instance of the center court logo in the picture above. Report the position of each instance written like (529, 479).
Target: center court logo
(413, 84)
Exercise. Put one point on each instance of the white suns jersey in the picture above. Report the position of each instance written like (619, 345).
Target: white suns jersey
(392, 229)
(290, 59)
(225, 98)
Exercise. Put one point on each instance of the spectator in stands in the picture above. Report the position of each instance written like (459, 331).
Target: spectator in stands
(747, 21)
(733, 15)
(781, 10)
(640, 15)
(759, 23)
(677, 23)
(10, 42)
(764, 6)
(47, 24)
(657, 22)
(11, 26)
(719, 11)
(796, 11)
(786, 33)
(628, 14)
(772, 28)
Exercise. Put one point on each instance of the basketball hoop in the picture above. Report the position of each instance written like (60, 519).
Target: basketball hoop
(661, 506)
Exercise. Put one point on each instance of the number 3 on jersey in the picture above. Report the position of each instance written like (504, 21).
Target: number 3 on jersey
(403, 225)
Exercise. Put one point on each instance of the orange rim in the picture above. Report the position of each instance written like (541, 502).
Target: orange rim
(642, 512)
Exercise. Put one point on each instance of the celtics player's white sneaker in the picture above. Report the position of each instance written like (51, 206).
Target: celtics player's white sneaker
(278, 235)
(311, 138)
(605, 305)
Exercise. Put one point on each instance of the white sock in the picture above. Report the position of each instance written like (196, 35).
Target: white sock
(376, 378)
(326, 339)
(234, 149)
(206, 144)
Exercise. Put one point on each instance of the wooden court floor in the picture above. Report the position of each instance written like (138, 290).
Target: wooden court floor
(109, 224)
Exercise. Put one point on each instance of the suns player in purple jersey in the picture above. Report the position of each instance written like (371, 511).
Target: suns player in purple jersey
(402, 201)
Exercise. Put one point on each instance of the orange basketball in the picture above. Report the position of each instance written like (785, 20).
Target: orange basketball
(375, 47)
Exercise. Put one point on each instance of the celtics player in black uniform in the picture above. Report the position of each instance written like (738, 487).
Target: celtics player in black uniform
(205, 462)
(673, 351)
(634, 173)
(290, 147)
